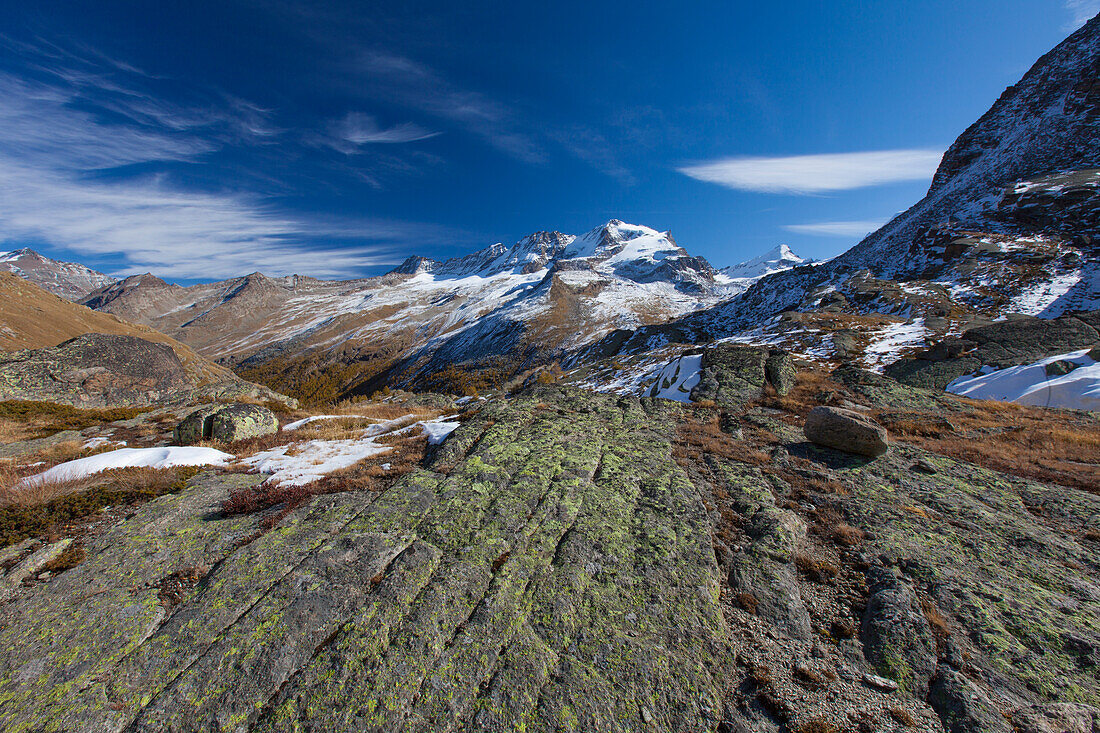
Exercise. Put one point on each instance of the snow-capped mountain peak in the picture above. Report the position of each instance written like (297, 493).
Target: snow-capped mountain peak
(66, 279)
(774, 260)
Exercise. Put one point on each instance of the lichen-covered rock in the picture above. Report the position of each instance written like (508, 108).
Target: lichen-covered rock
(847, 431)
(932, 374)
(963, 707)
(94, 370)
(239, 422)
(197, 426)
(550, 568)
(896, 637)
(226, 423)
(732, 374)
(780, 371)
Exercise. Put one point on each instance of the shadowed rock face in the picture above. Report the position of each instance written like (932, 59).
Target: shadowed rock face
(94, 370)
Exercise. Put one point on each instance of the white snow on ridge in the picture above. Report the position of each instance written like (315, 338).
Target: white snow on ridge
(678, 378)
(887, 345)
(166, 457)
(776, 260)
(1030, 385)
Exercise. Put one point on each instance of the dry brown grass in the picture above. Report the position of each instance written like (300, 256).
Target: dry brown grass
(1055, 446)
(13, 471)
(748, 602)
(696, 439)
(24, 419)
(847, 535)
(903, 716)
(819, 571)
(67, 505)
(816, 725)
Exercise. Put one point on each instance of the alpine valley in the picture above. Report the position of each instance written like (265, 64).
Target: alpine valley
(583, 482)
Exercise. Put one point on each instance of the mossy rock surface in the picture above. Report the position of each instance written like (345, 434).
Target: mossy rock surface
(558, 564)
(551, 569)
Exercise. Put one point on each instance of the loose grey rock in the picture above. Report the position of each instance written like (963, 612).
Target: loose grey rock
(37, 560)
(847, 431)
(880, 683)
(962, 706)
(1065, 717)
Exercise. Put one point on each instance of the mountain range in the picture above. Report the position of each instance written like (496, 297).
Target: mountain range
(1008, 226)
(497, 311)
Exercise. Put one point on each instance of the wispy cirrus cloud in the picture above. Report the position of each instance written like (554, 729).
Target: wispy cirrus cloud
(355, 131)
(412, 84)
(1082, 11)
(361, 129)
(86, 161)
(813, 174)
(846, 229)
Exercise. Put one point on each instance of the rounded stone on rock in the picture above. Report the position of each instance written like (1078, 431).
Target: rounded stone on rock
(239, 422)
(226, 423)
(195, 427)
(846, 431)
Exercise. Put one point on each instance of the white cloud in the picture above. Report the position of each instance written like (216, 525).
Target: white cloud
(807, 174)
(67, 178)
(362, 129)
(1082, 11)
(836, 228)
(412, 84)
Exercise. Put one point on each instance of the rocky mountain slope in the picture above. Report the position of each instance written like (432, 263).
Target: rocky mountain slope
(70, 280)
(33, 322)
(1009, 225)
(500, 308)
(574, 561)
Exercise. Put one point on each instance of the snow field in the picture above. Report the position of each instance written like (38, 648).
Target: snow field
(1030, 384)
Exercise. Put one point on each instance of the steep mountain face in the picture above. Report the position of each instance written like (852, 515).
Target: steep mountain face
(502, 307)
(70, 280)
(1009, 226)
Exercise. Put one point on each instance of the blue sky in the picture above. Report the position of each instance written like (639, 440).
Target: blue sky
(203, 140)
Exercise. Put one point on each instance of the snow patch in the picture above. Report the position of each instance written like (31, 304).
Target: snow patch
(1030, 385)
(166, 457)
(678, 378)
(888, 344)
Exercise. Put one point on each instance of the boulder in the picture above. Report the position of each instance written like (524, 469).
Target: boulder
(95, 370)
(732, 374)
(846, 431)
(197, 426)
(931, 374)
(226, 423)
(1059, 368)
(780, 371)
(239, 422)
